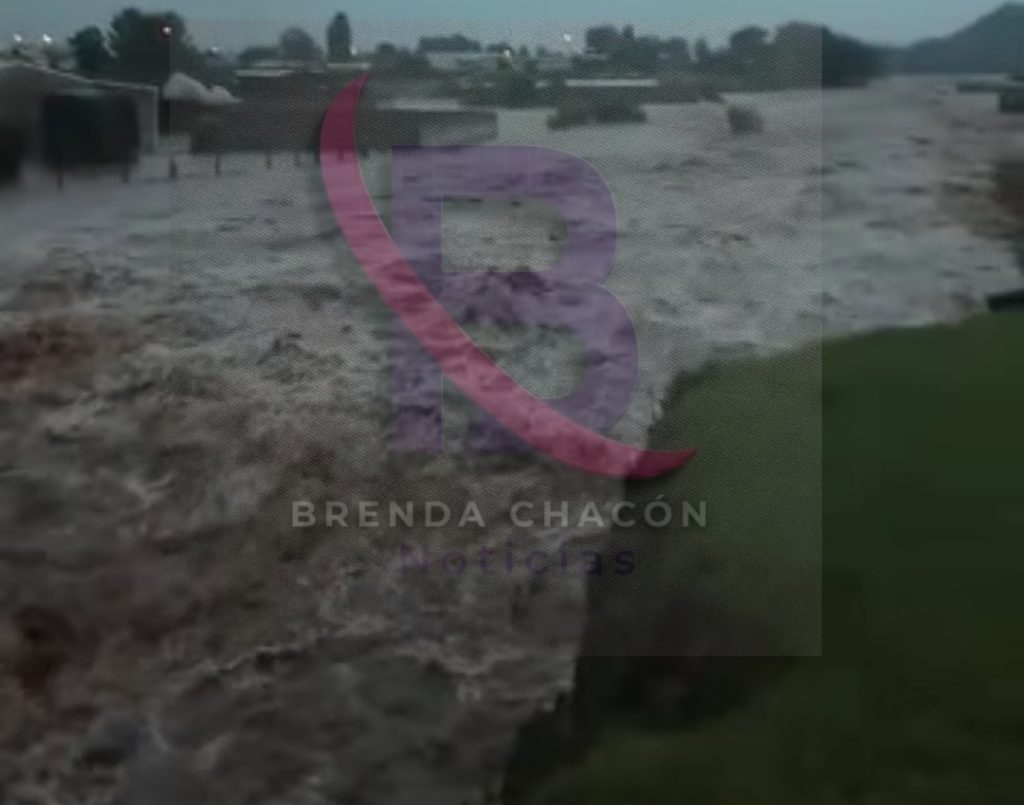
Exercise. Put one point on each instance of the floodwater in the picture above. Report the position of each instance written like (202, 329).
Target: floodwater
(183, 360)
(1008, 175)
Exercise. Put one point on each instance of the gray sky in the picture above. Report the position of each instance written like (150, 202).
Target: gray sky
(240, 22)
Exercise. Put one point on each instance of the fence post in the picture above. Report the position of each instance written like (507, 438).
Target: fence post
(270, 160)
(172, 170)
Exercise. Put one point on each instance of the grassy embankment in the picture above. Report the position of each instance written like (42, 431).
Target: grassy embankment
(919, 695)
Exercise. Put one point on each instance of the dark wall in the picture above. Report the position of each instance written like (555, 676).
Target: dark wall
(13, 148)
(82, 129)
(256, 127)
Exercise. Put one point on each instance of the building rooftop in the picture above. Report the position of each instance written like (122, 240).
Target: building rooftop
(17, 70)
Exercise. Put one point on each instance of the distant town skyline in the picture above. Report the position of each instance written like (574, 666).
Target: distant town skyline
(233, 24)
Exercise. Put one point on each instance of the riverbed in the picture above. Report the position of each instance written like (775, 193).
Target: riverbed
(183, 360)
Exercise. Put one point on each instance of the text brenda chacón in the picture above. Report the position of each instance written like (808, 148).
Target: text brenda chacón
(524, 514)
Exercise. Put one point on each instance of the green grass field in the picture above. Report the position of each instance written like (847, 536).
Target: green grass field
(918, 696)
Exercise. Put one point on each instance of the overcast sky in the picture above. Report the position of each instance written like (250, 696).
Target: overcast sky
(241, 22)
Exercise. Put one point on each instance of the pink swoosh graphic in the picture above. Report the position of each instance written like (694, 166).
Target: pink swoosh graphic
(462, 361)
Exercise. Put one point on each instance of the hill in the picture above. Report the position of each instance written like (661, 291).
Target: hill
(993, 44)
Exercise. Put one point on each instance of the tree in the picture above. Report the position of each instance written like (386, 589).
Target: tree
(517, 89)
(389, 58)
(639, 55)
(847, 62)
(799, 37)
(258, 53)
(149, 47)
(677, 52)
(602, 39)
(748, 41)
(297, 45)
(798, 50)
(456, 43)
(702, 53)
(339, 39)
(748, 50)
(89, 48)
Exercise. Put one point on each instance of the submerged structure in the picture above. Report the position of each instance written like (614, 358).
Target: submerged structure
(1011, 100)
(25, 88)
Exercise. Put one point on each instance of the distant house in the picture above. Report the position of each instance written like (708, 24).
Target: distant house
(284, 103)
(24, 88)
(350, 68)
(464, 62)
(286, 81)
(589, 61)
(552, 63)
(627, 90)
(605, 84)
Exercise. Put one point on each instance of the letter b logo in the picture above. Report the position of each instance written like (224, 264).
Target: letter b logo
(407, 272)
(567, 296)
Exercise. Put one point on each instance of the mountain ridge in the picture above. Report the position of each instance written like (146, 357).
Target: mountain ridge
(994, 43)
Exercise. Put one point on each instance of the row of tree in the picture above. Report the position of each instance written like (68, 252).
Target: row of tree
(295, 44)
(798, 54)
(137, 47)
(148, 47)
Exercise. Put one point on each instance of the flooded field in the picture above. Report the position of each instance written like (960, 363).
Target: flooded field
(181, 361)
